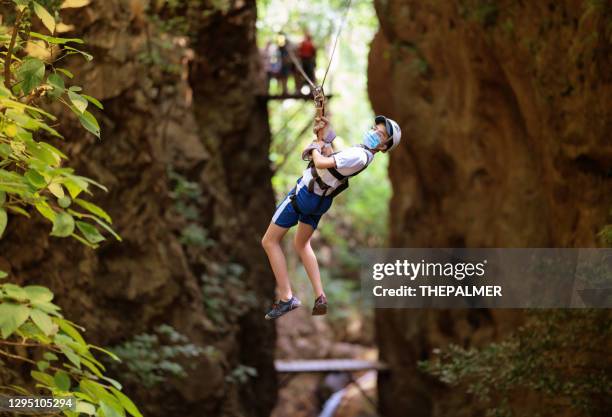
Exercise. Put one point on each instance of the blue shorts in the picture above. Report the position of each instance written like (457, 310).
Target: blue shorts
(310, 206)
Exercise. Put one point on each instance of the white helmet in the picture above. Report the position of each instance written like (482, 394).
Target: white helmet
(393, 130)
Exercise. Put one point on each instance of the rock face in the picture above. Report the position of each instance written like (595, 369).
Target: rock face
(506, 119)
(163, 116)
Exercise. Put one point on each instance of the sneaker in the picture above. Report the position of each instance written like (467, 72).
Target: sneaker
(320, 306)
(282, 307)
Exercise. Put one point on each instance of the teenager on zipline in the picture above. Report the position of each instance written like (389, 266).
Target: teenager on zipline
(325, 177)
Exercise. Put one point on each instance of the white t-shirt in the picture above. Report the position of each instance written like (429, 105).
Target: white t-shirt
(348, 161)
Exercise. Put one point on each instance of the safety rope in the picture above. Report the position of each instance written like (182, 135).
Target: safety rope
(348, 7)
(298, 65)
(317, 91)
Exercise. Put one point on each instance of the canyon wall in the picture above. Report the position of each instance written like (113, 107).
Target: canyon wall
(506, 119)
(179, 115)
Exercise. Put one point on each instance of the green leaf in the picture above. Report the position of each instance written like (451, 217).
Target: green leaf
(44, 209)
(84, 241)
(62, 380)
(46, 379)
(90, 123)
(87, 56)
(57, 82)
(53, 150)
(35, 178)
(45, 16)
(11, 317)
(3, 221)
(93, 209)
(42, 365)
(74, 3)
(3, 275)
(56, 189)
(50, 356)
(15, 292)
(65, 72)
(2, 197)
(63, 225)
(90, 232)
(99, 393)
(93, 368)
(37, 293)
(110, 410)
(85, 408)
(93, 101)
(46, 307)
(31, 73)
(79, 102)
(75, 185)
(72, 357)
(29, 330)
(64, 202)
(44, 153)
(67, 328)
(108, 228)
(18, 210)
(43, 321)
(108, 352)
(126, 402)
(57, 41)
(113, 382)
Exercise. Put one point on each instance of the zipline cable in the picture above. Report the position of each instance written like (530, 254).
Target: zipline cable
(298, 65)
(346, 12)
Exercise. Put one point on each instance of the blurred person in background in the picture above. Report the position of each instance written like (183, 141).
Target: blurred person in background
(307, 54)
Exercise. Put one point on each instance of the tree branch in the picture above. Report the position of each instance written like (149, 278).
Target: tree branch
(9, 52)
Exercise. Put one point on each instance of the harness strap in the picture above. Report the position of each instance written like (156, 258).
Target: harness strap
(339, 189)
(296, 207)
(294, 204)
(344, 182)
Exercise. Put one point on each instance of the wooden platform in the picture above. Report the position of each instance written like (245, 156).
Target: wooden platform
(327, 365)
(268, 97)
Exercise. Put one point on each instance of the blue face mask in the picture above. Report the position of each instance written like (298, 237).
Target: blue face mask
(371, 139)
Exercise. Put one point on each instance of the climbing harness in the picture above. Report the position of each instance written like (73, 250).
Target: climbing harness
(316, 179)
(344, 179)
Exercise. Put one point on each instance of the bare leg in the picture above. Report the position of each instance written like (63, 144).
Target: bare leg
(271, 244)
(309, 259)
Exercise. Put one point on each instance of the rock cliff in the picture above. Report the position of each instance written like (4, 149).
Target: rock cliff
(173, 116)
(506, 121)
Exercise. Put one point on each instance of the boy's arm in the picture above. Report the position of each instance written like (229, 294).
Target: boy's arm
(322, 161)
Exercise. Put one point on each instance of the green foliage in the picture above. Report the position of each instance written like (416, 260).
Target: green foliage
(67, 366)
(225, 293)
(188, 195)
(605, 234)
(195, 235)
(32, 171)
(561, 355)
(150, 358)
(241, 374)
(32, 176)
